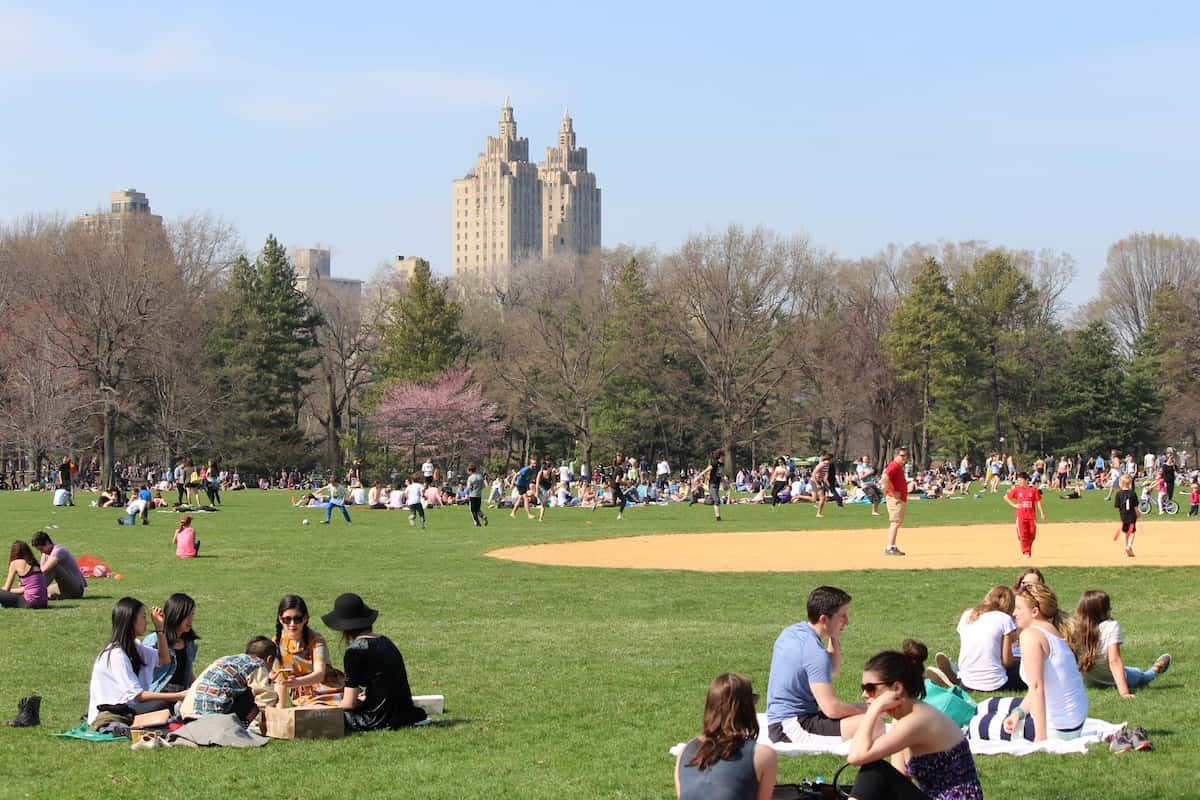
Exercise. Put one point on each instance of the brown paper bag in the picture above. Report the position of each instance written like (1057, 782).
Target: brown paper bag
(305, 722)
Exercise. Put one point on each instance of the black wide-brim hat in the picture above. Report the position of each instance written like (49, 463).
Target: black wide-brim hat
(350, 613)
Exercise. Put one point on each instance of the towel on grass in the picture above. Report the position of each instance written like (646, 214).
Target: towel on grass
(82, 732)
(987, 736)
(215, 730)
(810, 744)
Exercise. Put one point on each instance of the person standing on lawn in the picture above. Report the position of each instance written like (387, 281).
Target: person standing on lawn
(475, 496)
(895, 488)
(1027, 500)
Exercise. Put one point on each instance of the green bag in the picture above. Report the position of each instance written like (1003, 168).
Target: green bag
(954, 703)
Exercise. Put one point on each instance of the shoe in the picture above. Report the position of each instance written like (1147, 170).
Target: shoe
(874, 513)
(1121, 743)
(410, 522)
(946, 666)
(484, 520)
(1138, 739)
(149, 741)
(1128, 552)
(1162, 663)
(893, 551)
(935, 675)
(28, 713)
(820, 516)
(324, 522)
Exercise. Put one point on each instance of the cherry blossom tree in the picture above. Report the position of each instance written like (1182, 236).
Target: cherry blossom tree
(443, 419)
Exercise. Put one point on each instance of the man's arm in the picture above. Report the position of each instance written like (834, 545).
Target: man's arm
(835, 656)
(830, 705)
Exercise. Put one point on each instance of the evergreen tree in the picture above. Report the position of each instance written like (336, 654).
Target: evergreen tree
(1089, 408)
(422, 335)
(928, 344)
(262, 347)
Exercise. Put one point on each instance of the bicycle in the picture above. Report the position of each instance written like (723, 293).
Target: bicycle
(1168, 506)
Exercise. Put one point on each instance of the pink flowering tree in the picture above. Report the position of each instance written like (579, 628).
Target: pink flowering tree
(443, 419)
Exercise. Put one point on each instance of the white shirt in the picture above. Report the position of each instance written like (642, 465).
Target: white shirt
(564, 473)
(562, 497)
(413, 494)
(114, 681)
(1066, 699)
(1101, 672)
(981, 649)
(358, 495)
(1150, 462)
(373, 495)
(396, 498)
(136, 506)
(427, 469)
(663, 468)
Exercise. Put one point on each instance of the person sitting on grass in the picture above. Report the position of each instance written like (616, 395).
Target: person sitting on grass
(800, 696)
(985, 656)
(123, 673)
(64, 578)
(305, 656)
(1056, 704)
(925, 745)
(238, 684)
(725, 760)
(377, 694)
(179, 619)
(185, 541)
(107, 499)
(23, 567)
(1096, 640)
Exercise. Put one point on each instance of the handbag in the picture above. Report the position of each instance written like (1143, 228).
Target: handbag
(955, 703)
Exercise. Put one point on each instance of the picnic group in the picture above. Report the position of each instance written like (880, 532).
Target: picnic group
(1017, 645)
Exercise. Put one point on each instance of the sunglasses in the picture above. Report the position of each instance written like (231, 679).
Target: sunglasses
(291, 620)
(870, 689)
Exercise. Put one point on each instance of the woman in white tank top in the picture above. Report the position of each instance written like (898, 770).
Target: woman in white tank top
(1057, 701)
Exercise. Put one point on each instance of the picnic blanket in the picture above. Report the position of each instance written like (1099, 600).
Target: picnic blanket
(82, 732)
(215, 730)
(1094, 730)
(809, 745)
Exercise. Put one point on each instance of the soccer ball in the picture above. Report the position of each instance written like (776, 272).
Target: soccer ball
(99, 571)
(303, 522)
(977, 495)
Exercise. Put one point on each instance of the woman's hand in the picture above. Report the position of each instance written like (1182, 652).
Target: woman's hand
(158, 617)
(887, 699)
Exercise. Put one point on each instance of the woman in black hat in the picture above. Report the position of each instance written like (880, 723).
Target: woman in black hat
(377, 695)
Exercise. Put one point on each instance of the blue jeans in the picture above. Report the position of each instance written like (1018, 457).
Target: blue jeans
(1139, 677)
(329, 511)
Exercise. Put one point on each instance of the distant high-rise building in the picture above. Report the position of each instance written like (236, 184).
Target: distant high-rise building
(404, 267)
(507, 210)
(126, 206)
(312, 266)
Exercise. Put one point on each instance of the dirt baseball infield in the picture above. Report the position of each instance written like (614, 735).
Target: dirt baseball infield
(1076, 544)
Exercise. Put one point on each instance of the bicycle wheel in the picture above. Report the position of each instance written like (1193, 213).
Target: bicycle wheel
(1170, 507)
(1144, 506)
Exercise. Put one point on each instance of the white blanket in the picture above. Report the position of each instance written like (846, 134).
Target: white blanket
(1094, 730)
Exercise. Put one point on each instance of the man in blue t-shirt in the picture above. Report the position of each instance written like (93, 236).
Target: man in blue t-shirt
(800, 694)
(525, 478)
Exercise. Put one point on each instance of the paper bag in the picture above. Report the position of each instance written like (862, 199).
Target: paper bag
(305, 722)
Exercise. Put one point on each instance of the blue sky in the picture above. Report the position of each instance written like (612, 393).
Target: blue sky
(1032, 125)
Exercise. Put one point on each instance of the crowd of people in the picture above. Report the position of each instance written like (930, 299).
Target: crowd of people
(1016, 640)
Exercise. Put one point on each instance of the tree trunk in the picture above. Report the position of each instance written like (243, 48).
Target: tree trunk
(108, 457)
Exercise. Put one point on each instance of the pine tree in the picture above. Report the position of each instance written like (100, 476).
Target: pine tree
(422, 337)
(1089, 415)
(263, 345)
(928, 344)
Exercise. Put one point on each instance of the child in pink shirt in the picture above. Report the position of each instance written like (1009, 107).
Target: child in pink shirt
(186, 543)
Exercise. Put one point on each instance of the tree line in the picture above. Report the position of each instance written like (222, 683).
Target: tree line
(141, 343)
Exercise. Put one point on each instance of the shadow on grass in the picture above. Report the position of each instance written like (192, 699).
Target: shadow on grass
(448, 723)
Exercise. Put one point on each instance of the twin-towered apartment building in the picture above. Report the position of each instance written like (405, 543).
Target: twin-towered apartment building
(507, 210)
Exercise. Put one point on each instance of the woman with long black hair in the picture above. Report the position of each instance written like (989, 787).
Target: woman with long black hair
(123, 673)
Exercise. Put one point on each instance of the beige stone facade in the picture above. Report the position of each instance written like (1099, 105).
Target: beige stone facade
(125, 206)
(313, 276)
(507, 210)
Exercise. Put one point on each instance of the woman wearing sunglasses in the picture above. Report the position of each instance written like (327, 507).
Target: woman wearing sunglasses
(725, 760)
(931, 759)
(304, 656)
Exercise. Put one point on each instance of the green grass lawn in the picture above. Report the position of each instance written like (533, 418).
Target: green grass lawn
(559, 682)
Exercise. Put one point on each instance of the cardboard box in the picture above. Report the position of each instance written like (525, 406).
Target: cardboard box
(305, 722)
(432, 703)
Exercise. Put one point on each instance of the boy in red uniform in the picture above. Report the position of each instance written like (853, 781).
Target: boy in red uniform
(1026, 500)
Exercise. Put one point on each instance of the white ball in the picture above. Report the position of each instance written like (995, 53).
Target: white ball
(303, 522)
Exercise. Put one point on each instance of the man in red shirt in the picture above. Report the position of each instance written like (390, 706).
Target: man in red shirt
(1026, 500)
(895, 486)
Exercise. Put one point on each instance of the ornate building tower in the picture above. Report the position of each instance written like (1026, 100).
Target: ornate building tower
(497, 210)
(570, 198)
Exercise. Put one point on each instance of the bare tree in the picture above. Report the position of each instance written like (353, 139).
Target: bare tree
(1137, 267)
(107, 291)
(204, 248)
(735, 305)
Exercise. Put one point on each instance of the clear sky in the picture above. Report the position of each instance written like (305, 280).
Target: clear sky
(1033, 125)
